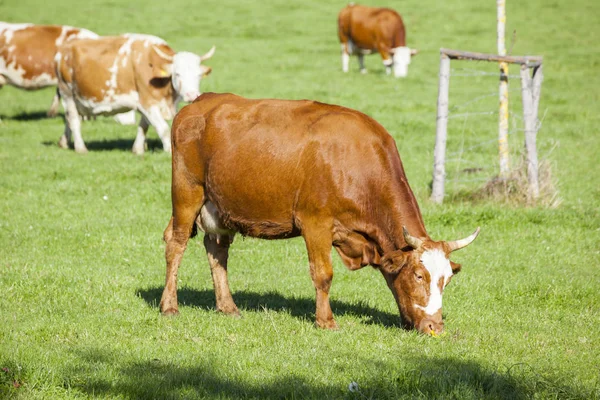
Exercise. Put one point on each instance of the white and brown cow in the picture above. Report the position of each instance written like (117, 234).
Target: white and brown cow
(27, 54)
(364, 30)
(111, 75)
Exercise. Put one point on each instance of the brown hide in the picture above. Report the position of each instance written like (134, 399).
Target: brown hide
(33, 49)
(277, 169)
(375, 29)
(290, 160)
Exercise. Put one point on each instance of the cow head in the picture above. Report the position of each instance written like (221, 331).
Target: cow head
(401, 60)
(186, 71)
(417, 276)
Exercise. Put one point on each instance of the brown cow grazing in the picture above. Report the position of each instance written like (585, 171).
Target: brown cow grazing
(27, 54)
(277, 169)
(363, 30)
(111, 75)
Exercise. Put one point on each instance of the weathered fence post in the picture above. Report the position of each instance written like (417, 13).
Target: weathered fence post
(538, 78)
(530, 117)
(439, 153)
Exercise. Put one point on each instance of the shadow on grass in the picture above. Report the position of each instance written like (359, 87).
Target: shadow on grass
(28, 116)
(418, 377)
(112, 144)
(302, 308)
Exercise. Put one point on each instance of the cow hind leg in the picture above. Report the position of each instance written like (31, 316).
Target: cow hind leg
(72, 127)
(53, 111)
(139, 145)
(345, 58)
(361, 63)
(217, 250)
(318, 244)
(186, 207)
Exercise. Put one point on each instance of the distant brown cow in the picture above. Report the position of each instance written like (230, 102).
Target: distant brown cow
(27, 54)
(112, 75)
(278, 169)
(363, 30)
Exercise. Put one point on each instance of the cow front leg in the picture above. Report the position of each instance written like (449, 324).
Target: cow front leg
(318, 245)
(386, 59)
(156, 119)
(139, 145)
(217, 250)
(187, 201)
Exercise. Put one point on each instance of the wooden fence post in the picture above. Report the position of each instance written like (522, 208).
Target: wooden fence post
(529, 117)
(439, 153)
(503, 94)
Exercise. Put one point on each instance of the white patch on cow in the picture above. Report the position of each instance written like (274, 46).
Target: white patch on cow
(13, 48)
(438, 266)
(128, 118)
(109, 105)
(187, 73)
(132, 37)
(63, 33)
(84, 34)
(8, 29)
(402, 59)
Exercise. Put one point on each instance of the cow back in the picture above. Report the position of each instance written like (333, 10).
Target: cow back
(29, 51)
(265, 162)
(371, 28)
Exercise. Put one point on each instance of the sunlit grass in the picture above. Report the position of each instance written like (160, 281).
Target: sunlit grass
(82, 257)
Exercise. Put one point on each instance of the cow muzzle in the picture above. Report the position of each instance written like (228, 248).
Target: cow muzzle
(190, 96)
(431, 327)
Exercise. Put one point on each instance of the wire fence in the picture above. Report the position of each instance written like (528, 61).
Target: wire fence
(472, 149)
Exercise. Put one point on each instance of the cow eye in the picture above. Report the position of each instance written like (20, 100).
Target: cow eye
(418, 277)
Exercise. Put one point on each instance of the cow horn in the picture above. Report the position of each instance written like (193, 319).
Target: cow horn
(412, 241)
(162, 54)
(414, 52)
(208, 55)
(459, 244)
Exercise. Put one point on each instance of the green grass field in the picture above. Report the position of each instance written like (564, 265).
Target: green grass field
(82, 258)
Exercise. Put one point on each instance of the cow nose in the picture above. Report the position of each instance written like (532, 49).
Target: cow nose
(431, 327)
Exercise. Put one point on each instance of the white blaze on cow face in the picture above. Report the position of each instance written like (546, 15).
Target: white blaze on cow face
(187, 73)
(402, 57)
(439, 268)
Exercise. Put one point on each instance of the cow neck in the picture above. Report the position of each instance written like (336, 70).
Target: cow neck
(406, 211)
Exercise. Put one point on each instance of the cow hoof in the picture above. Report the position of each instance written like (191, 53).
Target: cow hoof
(63, 143)
(235, 313)
(81, 150)
(363, 71)
(137, 152)
(171, 312)
(329, 325)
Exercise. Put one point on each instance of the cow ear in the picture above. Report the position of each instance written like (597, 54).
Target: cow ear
(393, 262)
(161, 70)
(455, 267)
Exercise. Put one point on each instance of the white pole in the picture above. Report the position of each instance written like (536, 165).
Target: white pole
(529, 116)
(503, 112)
(439, 153)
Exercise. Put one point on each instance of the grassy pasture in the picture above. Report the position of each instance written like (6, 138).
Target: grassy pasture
(82, 257)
